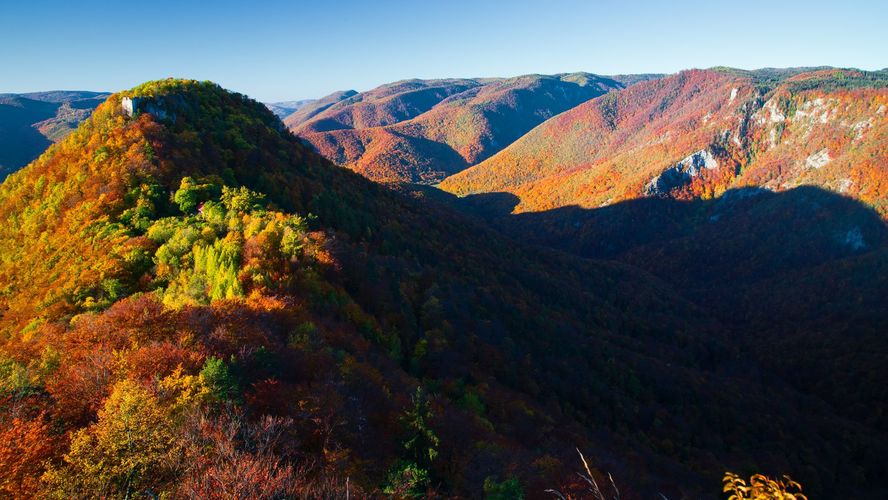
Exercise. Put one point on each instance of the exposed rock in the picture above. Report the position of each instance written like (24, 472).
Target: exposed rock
(818, 159)
(132, 106)
(817, 110)
(680, 173)
(854, 239)
(770, 113)
(860, 127)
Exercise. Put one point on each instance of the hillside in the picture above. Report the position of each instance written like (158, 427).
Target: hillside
(29, 123)
(804, 269)
(312, 109)
(422, 131)
(697, 134)
(194, 303)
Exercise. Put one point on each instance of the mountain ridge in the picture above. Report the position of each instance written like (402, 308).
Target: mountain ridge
(735, 115)
(468, 123)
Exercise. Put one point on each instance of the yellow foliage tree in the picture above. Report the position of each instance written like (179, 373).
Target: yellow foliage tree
(131, 449)
(762, 487)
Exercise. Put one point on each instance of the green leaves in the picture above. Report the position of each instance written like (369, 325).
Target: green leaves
(421, 442)
(510, 489)
(241, 199)
(191, 194)
(217, 377)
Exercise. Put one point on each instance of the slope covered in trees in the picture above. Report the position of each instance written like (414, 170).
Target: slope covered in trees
(193, 303)
(312, 109)
(697, 134)
(803, 269)
(422, 131)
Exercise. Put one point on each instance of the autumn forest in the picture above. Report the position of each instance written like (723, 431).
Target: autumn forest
(549, 286)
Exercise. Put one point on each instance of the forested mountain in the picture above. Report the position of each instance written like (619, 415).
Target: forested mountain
(29, 123)
(424, 130)
(315, 107)
(194, 303)
(699, 133)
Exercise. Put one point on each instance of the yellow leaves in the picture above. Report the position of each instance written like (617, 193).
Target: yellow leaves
(127, 450)
(182, 392)
(761, 487)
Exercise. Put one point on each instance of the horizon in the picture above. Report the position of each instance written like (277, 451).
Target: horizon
(295, 99)
(279, 51)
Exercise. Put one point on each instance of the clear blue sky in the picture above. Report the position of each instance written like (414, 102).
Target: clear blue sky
(281, 50)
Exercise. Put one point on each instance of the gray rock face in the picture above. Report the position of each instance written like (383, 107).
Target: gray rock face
(681, 173)
(132, 106)
(853, 239)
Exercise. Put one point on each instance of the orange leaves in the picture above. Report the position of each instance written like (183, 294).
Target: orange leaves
(25, 447)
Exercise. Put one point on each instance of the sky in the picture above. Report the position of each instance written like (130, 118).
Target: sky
(286, 50)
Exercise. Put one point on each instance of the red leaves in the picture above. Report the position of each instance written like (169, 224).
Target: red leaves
(25, 446)
(231, 458)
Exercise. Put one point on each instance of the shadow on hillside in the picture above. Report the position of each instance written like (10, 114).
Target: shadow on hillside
(20, 143)
(800, 275)
(746, 234)
(440, 159)
(797, 278)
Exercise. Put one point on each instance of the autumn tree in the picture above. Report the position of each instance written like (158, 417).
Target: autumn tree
(128, 451)
(760, 487)
(230, 458)
(25, 447)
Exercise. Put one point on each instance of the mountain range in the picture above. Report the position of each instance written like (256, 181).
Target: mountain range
(30, 122)
(423, 130)
(697, 134)
(678, 275)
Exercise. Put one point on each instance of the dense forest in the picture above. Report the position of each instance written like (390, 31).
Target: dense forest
(193, 303)
(424, 130)
(697, 134)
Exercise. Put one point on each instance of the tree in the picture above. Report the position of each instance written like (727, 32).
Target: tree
(762, 487)
(191, 193)
(217, 377)
(229, 458)
(129, 450)
(407, 480)
(421, 441)
(25, 447)
(510, 489)
(241, 199)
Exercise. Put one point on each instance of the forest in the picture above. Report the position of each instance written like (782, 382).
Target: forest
(195, 304)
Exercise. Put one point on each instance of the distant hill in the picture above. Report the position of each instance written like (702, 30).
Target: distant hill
(422, 131)
(761, 193)
(315, 107)
(29, 123)
(284, 109)
(698, 133)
